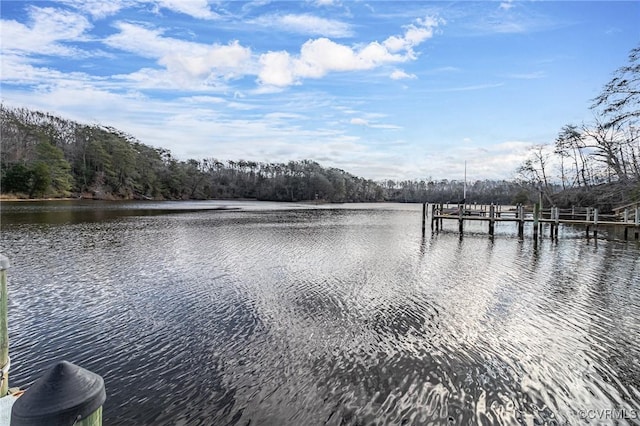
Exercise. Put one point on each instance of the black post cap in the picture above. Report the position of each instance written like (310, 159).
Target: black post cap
(65, 394)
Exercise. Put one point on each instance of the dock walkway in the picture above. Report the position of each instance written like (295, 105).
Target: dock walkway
(627, 218)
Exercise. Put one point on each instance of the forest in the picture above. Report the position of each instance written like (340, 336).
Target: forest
(44, 155)
(589, 164)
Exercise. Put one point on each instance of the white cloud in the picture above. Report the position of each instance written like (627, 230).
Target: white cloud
(506, 5)
(306, 24)
(99, 8)
(359, 122)
(195, 8)
(413, 36)
(320, 56)
(49, 28)
(276, 69)
(185, 61)
(399, 75)
(367, 123)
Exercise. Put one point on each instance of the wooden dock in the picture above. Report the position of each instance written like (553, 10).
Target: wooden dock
(626, 218)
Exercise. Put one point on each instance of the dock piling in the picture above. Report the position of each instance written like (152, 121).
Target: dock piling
(536, 213)
(492, 214)
(433, 215)
(521, 222)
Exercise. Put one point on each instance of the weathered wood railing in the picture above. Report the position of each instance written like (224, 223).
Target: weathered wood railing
(590, 218)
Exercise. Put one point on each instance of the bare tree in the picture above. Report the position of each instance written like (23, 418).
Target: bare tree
(620, 97)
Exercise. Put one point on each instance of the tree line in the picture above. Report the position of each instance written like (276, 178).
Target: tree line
(44, 155)
(596, 162)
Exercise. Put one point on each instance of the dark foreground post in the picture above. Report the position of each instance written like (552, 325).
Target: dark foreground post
(65, 395)
(433, 215)
(4, 333)
(595, 223)
(521, 222)
(460, 222)
(424, 216)
(536, 212)
(492, 218)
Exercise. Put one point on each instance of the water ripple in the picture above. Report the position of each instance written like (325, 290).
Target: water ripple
(325, 316)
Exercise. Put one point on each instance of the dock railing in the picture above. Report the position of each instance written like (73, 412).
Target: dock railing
(589, 217)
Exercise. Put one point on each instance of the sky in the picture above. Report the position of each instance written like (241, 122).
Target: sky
(381, 89)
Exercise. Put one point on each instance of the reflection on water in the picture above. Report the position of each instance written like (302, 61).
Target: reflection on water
(322, 315)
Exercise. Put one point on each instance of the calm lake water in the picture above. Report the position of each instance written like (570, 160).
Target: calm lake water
(285, 314)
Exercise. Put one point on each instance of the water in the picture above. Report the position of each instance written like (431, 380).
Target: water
(289, 314)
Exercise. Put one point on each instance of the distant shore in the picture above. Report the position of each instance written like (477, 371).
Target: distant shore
(12, 198)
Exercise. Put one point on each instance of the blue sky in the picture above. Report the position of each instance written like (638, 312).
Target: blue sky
(398, 90)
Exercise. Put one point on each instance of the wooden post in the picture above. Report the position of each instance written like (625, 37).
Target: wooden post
(441, 211)
(492, 215)
(460, 211)
(637, 221)
(4, 332)
(573, 212)
(433, 215)
(521, 222)
(536, 212)
(424, 216)
(588, 214)
(595, 223)
(557, 222)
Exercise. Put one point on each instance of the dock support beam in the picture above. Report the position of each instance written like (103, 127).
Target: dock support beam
(555, 214)
(460, 221)
(536, 212)
(521, 222)
(492, 215)
(424, 216)
(433, 215)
